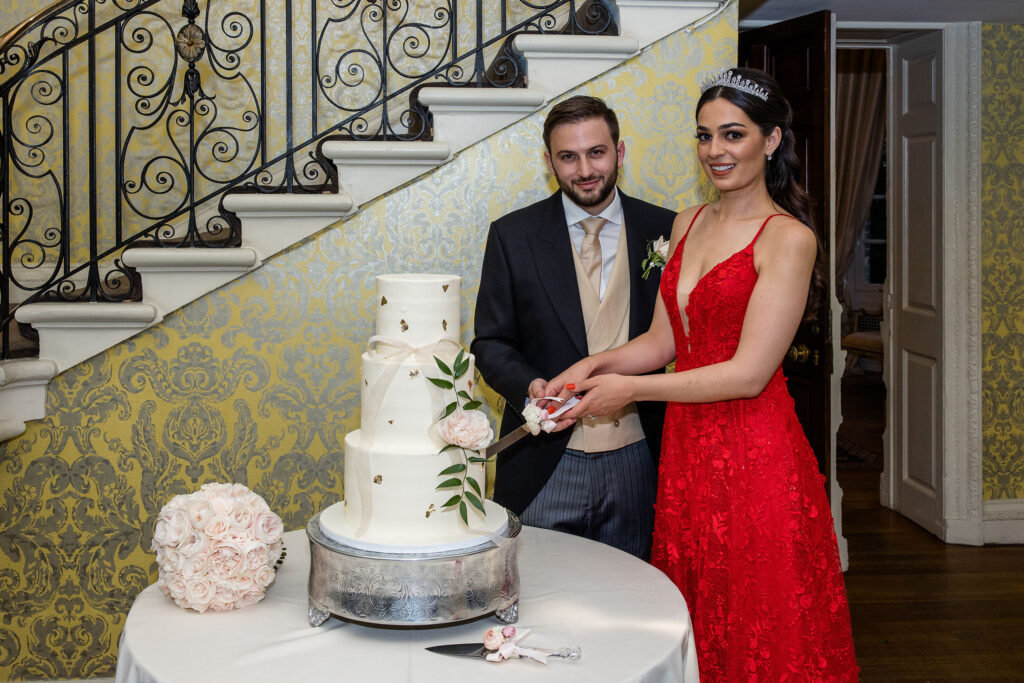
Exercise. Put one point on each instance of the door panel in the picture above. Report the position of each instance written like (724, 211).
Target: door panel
(916, 286)
(799, 54)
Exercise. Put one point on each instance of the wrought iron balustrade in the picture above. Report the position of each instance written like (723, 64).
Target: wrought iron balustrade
(124, 122)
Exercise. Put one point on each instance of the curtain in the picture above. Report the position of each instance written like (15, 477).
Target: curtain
(860, 134)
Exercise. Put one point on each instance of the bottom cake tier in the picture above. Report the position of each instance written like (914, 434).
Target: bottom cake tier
(454, 534)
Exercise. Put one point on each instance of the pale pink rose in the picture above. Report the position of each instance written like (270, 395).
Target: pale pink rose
(171, 527)
(264, 576)
(195, 542)
(226, 560)
(493, 638)
(267, 527)
(244, 583)
(200, 512)
(176, 587)
(169, 560)
(242, 515)
(226, 594)
(256, 554)
(199, 591)
(468, 429)
(218, 526)
(192, 566)
(250, 598)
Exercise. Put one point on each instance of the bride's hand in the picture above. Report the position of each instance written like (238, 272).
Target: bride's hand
(601, 395)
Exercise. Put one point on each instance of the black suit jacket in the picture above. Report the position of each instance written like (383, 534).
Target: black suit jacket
(529, 324)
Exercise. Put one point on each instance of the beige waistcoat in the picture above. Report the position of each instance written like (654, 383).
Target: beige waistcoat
(607, 322)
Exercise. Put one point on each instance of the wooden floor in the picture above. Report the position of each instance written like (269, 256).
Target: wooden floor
(923, 610)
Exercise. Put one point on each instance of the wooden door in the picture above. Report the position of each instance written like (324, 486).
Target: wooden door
(916, 300)
(800, 54)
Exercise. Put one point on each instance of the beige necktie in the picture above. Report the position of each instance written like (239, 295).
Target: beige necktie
(590, 251)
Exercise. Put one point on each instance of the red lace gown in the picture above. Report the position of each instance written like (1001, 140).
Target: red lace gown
(742, 523)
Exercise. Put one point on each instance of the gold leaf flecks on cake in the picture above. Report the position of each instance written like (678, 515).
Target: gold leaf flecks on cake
(413, 373)
(430, 510)
(391, 422)
(444, 325)
(366, 383)
(405, 325)
(383, 301)
(444, 288)
(378, 479)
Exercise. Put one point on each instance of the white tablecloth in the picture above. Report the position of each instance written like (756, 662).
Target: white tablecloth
(629, 620)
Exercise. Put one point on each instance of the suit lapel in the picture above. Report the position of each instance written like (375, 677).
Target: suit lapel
(552, 252)
(637, 252)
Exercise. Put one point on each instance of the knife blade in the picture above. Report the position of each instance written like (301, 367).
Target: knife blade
(460, 650)
(506, 441)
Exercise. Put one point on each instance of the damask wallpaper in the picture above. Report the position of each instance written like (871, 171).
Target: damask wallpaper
(257, 382)
(1002, 165)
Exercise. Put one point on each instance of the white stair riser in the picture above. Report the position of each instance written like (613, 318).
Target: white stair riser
(71, 343)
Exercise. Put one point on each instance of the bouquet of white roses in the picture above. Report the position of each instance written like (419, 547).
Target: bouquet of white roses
(217, 548)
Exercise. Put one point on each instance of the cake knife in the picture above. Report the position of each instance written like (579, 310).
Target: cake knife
(521, 431)
(478, 650)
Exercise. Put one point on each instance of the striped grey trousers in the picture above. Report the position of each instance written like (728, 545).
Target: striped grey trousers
(606, 497)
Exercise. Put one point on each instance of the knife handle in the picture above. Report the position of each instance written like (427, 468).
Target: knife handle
(571, 653)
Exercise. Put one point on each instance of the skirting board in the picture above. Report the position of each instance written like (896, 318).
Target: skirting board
(1004, 521)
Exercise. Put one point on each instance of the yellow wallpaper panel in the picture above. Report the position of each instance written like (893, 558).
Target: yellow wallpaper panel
(256, 382)
(1002, 268)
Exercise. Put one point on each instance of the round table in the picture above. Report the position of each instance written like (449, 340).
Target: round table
(628, 619)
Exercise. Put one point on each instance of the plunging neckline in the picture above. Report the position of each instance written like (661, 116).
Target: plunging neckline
(684, 315)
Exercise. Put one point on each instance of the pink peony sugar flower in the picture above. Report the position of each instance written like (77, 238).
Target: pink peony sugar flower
(469, 429)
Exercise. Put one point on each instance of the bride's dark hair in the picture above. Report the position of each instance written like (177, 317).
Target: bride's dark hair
(783, 172)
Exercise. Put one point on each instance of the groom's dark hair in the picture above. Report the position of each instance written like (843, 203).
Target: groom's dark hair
(577, 109)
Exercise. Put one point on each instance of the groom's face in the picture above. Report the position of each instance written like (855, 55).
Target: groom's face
(585, 162)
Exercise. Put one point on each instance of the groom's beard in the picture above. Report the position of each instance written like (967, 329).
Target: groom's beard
(592, 197)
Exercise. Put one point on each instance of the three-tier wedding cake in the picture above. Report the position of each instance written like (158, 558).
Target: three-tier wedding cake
(392, 462)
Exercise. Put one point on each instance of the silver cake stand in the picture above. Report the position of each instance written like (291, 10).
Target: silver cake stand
(410, 589)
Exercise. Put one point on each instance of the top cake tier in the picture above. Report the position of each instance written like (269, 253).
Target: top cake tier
(419, 309)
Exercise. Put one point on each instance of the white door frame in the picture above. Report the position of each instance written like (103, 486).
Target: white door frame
(962, 515)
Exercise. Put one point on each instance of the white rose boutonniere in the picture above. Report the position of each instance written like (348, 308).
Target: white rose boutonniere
(657, 256)
(533, 416)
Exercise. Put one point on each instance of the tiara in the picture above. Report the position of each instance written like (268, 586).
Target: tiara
(730, 80)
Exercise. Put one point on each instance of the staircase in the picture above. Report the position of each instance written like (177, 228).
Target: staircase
(71, 332)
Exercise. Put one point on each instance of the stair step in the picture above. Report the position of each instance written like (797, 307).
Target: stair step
(23, 385)
(463, 116)
(652, 20)
(72, 332)
(206, 270)
(555, 63)
(370, 168)
(272, 222)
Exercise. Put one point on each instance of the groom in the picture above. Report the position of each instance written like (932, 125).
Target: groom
(561, 280)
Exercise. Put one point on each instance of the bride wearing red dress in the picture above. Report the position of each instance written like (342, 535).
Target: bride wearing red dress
(742, 522)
